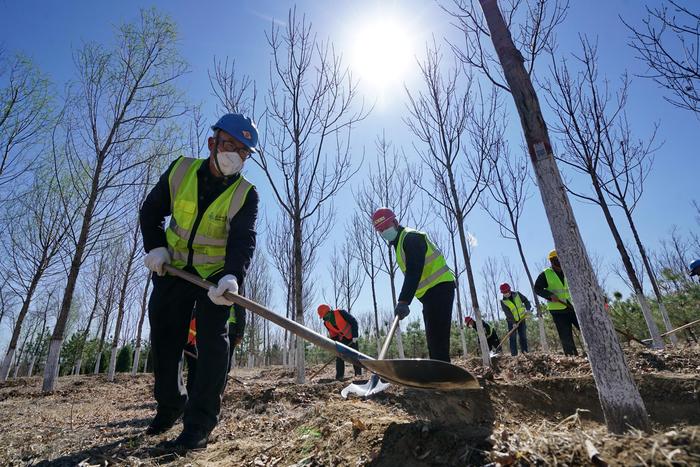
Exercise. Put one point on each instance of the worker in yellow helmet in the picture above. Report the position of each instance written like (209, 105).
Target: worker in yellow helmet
(552, 285)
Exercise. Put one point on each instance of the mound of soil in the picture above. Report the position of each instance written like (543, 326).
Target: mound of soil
(533, 409)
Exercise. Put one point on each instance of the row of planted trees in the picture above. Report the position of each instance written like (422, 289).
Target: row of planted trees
(77, 168)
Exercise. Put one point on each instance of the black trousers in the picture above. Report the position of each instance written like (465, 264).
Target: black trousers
(437, 316)
(169, 313)
(340, 363)
(493, 342)
(191, 351)
(564, 320)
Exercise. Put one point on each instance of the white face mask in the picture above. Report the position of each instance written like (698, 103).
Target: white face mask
(389, 234)
(230, 162)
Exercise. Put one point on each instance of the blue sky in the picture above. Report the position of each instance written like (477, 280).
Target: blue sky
(49, 31)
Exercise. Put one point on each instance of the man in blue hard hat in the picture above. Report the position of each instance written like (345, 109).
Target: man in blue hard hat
(695, 268)
(211, 233)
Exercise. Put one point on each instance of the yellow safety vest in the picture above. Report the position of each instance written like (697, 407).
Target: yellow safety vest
(561, 290)
(206, 245)
(435, 268)
(516, 306)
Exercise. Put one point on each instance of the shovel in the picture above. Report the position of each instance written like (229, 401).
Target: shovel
(418, 373)
(374, 385)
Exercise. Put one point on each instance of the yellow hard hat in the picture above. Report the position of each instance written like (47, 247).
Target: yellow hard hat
(552, 254)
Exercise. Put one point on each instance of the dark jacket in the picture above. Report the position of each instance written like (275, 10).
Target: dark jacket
(354, 328)
(241, 240)
(541, 284)
(506, 310)
(415, 247)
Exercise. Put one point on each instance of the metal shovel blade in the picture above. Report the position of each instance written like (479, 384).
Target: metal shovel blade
(373, 386)
(423, 373)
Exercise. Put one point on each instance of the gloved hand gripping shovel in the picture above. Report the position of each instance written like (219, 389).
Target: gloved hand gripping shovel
(374, 385)
(417, 373)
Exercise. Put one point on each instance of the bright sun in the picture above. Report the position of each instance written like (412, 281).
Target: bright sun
(382, 52)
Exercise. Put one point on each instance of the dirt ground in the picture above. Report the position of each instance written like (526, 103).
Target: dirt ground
(532, 410)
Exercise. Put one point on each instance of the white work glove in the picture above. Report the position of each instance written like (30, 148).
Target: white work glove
(156, 259)
(226, 283)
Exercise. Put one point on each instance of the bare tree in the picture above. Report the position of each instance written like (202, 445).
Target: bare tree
(586, 117)
(533, 23)
(139, 329)
(35, 239)
(258, 287)
(627, 164)
(110, 292)
(306, 156)
(233, 94)
(450, 225)
(131, 250)
(619, 397)
(386, 185)
(442, 118)
(668, 41)
(98, 274)
(366, 252)
(120, 102)
(510, 190)
(25, 115)
(346, 275)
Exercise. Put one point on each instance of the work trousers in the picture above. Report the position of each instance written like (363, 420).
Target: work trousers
(340, 363)
(191, 357)
(493, 342)
(169, 313)
(564, 320)
(521, 334)
(437, 316)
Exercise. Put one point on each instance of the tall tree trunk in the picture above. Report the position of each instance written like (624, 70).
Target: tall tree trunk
(299, 297)
(373, 287)
(629, 268)
(481, 333)
(650, 273)
(619, 397)
(139, 330)
(462, 336)
(392, 276)
(122, 304)
(9, 354)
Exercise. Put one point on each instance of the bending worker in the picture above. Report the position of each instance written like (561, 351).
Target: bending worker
(342, 327)
(426, 276)
(491, 335)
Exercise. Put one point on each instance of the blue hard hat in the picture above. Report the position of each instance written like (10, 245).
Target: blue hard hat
(695, 268)
(240, 127)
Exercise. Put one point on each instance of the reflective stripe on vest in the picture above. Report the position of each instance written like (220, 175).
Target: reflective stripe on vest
(489, 327)
(208, 249)
(232, 316)
(561, 290)
(435, 269)
(192, 334)
(342, 327)
(517, 308)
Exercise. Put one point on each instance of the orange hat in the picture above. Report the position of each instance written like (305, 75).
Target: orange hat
(323, 309)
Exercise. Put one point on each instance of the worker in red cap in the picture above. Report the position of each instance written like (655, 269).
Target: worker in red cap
(516, 307)
(426, 277)
(342, 327)
(491, 335)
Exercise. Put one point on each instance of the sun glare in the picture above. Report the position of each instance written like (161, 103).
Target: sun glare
(382, 52)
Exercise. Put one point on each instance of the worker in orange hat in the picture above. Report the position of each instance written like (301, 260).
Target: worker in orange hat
(342, 327)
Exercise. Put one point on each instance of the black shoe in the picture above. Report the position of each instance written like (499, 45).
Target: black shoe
(162, 422)
(191, 439)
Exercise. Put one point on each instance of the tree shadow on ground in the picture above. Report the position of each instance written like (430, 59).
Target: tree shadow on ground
(117, 453)
(453, 429)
